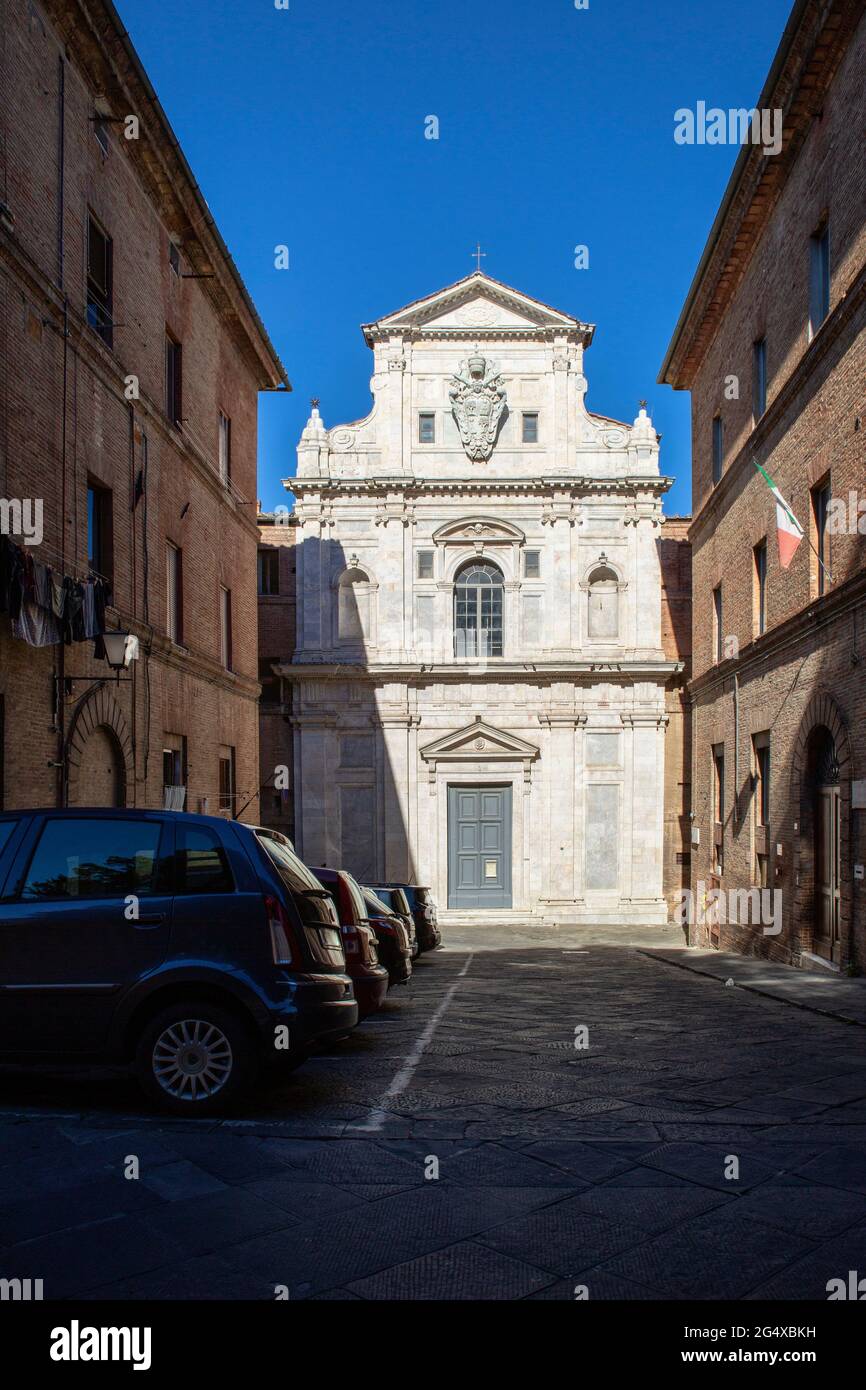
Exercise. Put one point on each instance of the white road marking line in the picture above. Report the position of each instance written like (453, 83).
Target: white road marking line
(376, 1119)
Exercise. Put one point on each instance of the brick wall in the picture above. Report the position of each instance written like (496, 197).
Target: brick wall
(66, 419)
(676, 626)
(803, 674)
(277, 643)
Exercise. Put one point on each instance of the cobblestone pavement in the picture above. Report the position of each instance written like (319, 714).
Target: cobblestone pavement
(557, 1166)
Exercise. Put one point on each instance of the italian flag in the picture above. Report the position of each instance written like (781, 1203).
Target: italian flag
(789, 532)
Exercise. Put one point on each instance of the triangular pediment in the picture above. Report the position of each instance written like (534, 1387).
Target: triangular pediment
(476, 302)
(480, 742)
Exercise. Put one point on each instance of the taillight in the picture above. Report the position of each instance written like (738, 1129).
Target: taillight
(351, 940)
(281, 932)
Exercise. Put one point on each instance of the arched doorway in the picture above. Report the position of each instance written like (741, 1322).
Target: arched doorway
(823, 791)
(100, 780)
(98, 754)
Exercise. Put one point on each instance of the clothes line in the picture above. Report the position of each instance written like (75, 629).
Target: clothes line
(48, 606)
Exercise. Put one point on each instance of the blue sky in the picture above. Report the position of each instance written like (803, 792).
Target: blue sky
(305, 127)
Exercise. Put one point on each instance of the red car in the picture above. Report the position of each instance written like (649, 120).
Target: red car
(369, 978)
(395, 948)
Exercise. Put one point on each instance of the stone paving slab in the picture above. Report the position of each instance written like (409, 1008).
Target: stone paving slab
(837, 996)
(606, 1165)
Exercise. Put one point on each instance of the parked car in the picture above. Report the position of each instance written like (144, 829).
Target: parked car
(194, 948)
(395, 901)
(369, 978)
(395, 950)
(424, 915)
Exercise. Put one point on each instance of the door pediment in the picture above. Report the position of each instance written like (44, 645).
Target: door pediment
(480, 742)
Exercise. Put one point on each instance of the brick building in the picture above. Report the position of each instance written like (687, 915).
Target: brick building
(278, 533)
(132, 360)
(771, 345)
(675, 561)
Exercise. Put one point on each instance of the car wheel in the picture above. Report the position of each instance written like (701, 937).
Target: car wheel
(194, 1059)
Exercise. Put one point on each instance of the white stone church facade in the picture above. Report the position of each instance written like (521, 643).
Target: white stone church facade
(479, 679)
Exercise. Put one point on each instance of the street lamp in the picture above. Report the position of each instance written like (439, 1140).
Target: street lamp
(120, 649)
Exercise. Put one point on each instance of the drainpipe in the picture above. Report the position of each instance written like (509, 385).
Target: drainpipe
(736, 751)
(59, 684)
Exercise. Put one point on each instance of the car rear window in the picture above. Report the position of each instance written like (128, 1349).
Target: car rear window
(387, 897)
(312, 900)
(93, 858)
(357, 898)
(6, 828)
(377, 906)
(202, 865)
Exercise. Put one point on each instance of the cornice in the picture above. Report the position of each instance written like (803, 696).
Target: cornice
(107, 367)
(544, 485)
(806, 621)
(509, 672)
(718, 500)
(102, 50)
(814, 42)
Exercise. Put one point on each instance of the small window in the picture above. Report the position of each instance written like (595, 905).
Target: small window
(93, 858)
(425, 564)
(718, 808)
(174, 593)
(100, 274)
(99, 529)
(718, 448)
(269, 682)
(718, 628)
(174, 258)
(201, 863)
(759, 378)
(426, 429)
(174, 774)
(719, 784)
(820, 510)
(530, 429)
(226, 627)
(819, 279)
(227, 781)
(761, 587)
(269, 572)
(100, 130)
(225, 447)
(173, 380)
(531, 564)
(762, 779)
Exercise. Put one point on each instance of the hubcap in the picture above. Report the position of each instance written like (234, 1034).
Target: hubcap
(192, 1059)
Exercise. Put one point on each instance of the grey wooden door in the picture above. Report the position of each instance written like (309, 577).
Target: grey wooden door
(479, 847)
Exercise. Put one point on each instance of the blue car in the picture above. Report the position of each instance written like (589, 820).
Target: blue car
(194, 948)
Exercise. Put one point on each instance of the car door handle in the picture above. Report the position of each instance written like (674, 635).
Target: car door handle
(149, 919)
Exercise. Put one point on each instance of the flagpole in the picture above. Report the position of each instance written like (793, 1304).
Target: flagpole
(790, 511)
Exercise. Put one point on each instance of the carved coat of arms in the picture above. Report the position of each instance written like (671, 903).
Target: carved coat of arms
(478, 400)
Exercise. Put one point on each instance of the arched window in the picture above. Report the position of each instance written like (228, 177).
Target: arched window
(354, 606)
(478, 611)
(603, 605)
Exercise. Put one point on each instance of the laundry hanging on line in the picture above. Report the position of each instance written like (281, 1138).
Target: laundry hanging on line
(46, 606)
